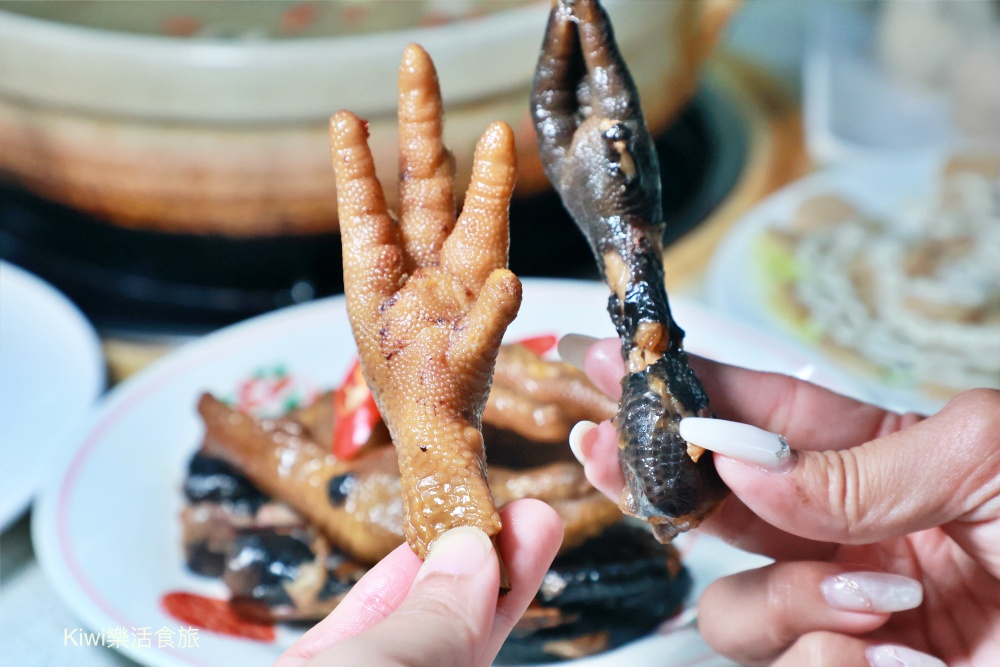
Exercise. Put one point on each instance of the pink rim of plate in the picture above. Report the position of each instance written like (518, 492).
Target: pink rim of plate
(95, 438)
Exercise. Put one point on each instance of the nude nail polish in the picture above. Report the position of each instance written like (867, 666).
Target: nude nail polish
(872, 591)
(900, 656)
(573, 348)
(461, 551)
(739, 441)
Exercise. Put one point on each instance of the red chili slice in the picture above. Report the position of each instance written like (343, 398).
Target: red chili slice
(180, 26)
(355, 414)
(299, 16)
(539, 344)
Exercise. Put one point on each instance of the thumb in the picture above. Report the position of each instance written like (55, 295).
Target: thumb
(445, 619)
(943, 468)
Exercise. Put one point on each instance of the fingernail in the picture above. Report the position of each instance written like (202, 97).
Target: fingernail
(576, 439)
(900, 656)
(460, 552)
(740, 441)
(573, 348)
(872, 591)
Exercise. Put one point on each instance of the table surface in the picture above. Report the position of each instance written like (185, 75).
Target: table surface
(33, 618)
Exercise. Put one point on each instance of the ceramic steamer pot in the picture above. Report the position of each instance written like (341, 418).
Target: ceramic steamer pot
(219, 127)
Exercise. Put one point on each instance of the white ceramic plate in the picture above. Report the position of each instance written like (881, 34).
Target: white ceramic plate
(51, 371)
(106, 526)
(737, 286)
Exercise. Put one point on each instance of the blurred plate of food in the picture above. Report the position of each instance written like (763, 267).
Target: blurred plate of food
(889, 267)
(902, 76)
(51, 372)
(155, 492)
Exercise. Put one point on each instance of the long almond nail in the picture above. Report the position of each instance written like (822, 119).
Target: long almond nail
(576, 439)
(872, 591)
(739, 441)
(573, 348)
(461, 552)
(900, 656)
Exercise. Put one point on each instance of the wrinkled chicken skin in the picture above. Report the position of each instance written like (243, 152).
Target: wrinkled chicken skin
(599, 155)
(540, 399)
(429, 298)
(283, 458)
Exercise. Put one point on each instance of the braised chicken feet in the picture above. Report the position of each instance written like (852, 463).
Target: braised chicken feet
(429, 298)
(599, 155)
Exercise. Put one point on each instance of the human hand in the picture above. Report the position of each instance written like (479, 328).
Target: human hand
(885, 528)
(444, 612)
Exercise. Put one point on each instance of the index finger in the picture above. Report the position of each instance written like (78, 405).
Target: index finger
(376, 595)
(732, 522)
(529, 542)
(810, 417)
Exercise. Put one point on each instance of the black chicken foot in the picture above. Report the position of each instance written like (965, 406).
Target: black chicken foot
(600, 157)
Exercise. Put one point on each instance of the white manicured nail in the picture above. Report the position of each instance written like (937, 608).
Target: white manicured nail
(576, 439)
(900, 656)
(740, 441)
(573, 348)
(872, 591)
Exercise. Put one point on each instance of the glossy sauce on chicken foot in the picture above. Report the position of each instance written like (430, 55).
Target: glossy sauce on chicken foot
(598, 153)
(429, 298)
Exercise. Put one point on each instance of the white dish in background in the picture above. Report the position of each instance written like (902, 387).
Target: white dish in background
(106, 527)
(854, 108)
(51, 371)
(735, 279)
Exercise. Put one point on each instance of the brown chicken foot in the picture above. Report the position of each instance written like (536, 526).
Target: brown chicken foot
(429, 298)
(357, 504)
(541, 399)
(283, 461)
(599, 155)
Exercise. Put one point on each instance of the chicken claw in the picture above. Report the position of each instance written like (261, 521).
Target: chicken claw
(429, 298)
(599, 155)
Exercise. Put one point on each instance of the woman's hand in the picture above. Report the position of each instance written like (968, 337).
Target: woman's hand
(885, 528)
(444, 612)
